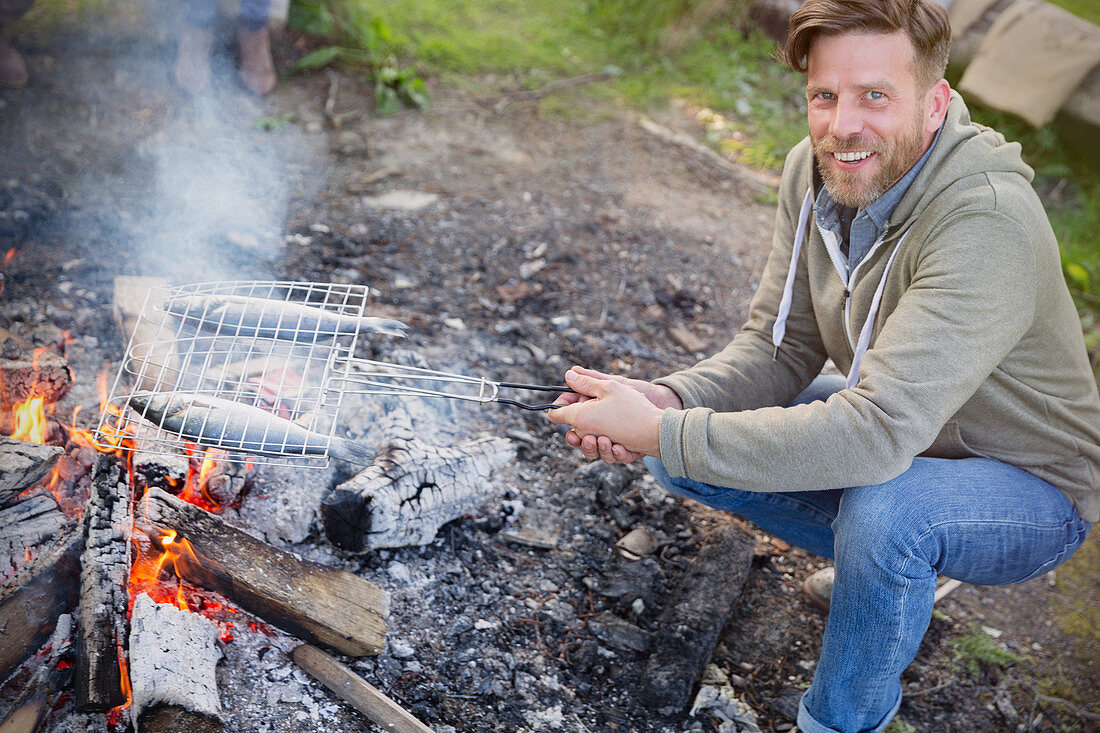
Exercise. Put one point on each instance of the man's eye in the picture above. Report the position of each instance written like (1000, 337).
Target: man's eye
(825, 95)
(875, 95)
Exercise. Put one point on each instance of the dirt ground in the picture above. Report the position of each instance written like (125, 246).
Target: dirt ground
(514, 244)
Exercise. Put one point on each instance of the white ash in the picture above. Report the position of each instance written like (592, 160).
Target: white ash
(173, 658)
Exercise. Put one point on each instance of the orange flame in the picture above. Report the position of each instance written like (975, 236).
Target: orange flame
(8, 257)
(30, 420)
(197, 489)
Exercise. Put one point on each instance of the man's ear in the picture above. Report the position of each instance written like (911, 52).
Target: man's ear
(936, 101)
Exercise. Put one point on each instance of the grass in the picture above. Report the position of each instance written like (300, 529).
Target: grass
(975, 651)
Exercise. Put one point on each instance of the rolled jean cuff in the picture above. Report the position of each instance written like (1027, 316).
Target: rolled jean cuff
(809, 724)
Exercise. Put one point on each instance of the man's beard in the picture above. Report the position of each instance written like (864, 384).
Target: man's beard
(857, 188)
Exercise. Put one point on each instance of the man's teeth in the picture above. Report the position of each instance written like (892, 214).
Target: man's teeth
(850, 157)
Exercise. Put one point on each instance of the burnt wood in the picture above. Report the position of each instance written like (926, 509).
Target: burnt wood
(315, 602)
(173, 659)
(410, 491)
(29, 372)
(26, 528)
(357, 692)
(693, 618)
(29, 710)
(32, 600)
(104, 595)
(22, 465)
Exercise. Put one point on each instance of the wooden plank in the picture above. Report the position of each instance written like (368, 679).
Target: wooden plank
(315, 602)
(693, 618)
(356, 691)
(22, 465)
(173, 658)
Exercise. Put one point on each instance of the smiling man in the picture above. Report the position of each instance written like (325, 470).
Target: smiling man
(964, 440)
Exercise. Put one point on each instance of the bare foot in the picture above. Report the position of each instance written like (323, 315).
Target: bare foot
(257, 68)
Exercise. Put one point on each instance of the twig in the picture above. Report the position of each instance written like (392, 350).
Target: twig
(1075, 709)
(930, 690)
(354, 690)
(335, 119)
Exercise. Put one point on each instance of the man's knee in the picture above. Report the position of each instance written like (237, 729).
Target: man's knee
(880, 520)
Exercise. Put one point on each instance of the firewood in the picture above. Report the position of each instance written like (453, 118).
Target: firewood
(356, 691)
(694, 617)
(104, 595)
(411, 490)
(22, 465)
(32, 601)
(173, 658)
(315, 602)
(29, 372)
(27, 527)
(29, 710)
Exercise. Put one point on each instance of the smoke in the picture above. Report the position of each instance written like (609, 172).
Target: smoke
(218, 203)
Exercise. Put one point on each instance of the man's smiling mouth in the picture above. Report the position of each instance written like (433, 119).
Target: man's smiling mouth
(852, 157)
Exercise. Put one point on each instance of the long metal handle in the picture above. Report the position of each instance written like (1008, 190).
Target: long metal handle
(384, 378)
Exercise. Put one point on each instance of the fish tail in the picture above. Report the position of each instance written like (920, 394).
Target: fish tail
(351, 451)
(386, 325)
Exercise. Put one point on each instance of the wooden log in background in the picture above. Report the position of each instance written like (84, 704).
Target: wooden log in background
(410, 491)
(22, 465)
(315, 602)
(104, 593)
(32, 601)
(173, 659)
(693, 618)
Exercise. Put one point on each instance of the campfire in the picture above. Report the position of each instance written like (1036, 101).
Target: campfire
(121, 573)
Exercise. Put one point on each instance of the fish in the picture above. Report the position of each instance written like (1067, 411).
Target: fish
(234, 426)
(241, 315)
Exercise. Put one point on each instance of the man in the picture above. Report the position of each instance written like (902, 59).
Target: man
(196, 47)
(910, 249)
(13, 70)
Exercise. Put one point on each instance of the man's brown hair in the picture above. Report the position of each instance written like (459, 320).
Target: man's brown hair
(924, 21)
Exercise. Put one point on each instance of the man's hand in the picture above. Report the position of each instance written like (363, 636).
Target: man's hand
(614, 418)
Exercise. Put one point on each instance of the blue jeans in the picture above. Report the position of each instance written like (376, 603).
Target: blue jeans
(975, 519)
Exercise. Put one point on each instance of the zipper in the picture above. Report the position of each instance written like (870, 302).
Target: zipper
(832, 247)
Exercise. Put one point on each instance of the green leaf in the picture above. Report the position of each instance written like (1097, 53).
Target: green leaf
(318, 59)
(385, 100)
(1076, 276)
(415, 93)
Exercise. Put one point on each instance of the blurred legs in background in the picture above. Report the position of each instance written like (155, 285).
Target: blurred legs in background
(192, 70)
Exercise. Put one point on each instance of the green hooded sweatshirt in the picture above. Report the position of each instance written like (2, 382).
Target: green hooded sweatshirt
(975, 350)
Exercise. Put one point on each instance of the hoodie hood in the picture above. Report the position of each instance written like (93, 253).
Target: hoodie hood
(964, 149)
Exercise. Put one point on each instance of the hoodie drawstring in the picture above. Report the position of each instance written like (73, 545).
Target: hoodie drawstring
(779, 328)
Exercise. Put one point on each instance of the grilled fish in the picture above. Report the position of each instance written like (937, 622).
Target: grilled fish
(241, 315)
(218, 423)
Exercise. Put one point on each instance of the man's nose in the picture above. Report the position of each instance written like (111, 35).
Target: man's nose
(847, 121)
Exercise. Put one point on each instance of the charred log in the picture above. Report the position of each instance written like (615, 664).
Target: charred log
(694, 617)
(26, 528)
(22, 465)
(173, 658)
(317, 603)
(103, 589)
(410, 491)
(32, 601)
(357, 692)
(30, 709)
(27, 372)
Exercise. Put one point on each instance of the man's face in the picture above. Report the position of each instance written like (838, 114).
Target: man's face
(868, 118)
